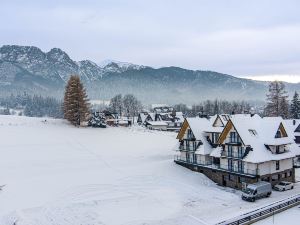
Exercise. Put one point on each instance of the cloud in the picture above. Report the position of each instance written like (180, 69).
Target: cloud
(234, 37)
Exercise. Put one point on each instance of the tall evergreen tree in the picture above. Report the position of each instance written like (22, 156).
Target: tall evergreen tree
(76, 106)
(295, 106)
(277, 100)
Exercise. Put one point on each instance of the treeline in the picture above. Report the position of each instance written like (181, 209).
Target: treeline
(209, 107)
(34, 106)
(127, 105)
(277, 103)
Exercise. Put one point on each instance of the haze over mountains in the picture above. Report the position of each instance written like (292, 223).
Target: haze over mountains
(27, 68)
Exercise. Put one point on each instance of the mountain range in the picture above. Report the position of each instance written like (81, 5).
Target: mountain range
(29, 69)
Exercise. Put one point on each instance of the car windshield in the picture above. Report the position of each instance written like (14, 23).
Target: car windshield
(248, 191)
(282, 183)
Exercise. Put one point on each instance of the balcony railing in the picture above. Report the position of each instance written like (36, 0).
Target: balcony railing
(186, 148)
(235, 155)
(192, 160)
(234, 142)
(222, 167)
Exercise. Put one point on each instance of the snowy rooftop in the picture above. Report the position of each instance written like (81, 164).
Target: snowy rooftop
(157, 123)
(198, 126)
(258, 132)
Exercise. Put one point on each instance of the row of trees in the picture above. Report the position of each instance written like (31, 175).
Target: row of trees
(37, 106)
(128, 105)
(278, 103)
(209, 107)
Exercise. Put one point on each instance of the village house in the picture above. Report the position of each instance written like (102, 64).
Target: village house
(246, 150)
(294, 127)
(162, 118)
(143, 117)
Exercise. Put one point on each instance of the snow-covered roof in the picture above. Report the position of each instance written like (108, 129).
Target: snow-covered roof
(143, 117)
(212, 129)
(292, 125)
(224, 118)
(158, 105)
(157, 123)
(152, 115)
(258, 132)
(198, 125)
(216, 152)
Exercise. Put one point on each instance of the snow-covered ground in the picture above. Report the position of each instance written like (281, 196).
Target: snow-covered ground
(56, 174)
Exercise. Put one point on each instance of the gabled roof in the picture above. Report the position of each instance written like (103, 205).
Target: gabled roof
(143, 117)
(293, 125)
(258, 132)
(152, 115)
(197, 125)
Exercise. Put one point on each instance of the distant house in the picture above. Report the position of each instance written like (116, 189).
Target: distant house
(156, 125)
(165, 114)
(110, 118)
(143, 117)
(238, 149)
(123, 122)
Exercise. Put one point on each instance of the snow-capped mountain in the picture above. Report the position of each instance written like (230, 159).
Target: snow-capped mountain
(27, 68)
(117, 66)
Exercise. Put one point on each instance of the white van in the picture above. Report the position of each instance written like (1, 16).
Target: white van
(257, 190)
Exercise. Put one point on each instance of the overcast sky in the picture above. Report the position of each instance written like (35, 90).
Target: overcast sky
(257, 38)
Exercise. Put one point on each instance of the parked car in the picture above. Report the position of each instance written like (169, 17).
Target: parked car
(283, 186)
(257, 190)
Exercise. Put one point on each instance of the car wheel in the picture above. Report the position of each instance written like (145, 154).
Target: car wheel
(253, 200)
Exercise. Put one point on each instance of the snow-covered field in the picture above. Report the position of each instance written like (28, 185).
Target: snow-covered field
(56, 174)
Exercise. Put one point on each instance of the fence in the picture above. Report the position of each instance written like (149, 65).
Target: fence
(264, 212)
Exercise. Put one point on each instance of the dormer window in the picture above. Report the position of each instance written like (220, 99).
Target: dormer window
(252, 132)
(278, 134)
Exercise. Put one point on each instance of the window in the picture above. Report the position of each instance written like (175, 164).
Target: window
(215, 137)
(230, 165)
(233, 137)
(278, 134)
(274, 177)
(231, 177)
(267, 179)
(240, 152)
(229, 150)
(277, 165)
(277, 149)
(241, 179)
(241, 166)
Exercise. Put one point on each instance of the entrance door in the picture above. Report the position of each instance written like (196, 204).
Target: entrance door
(224, 180)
